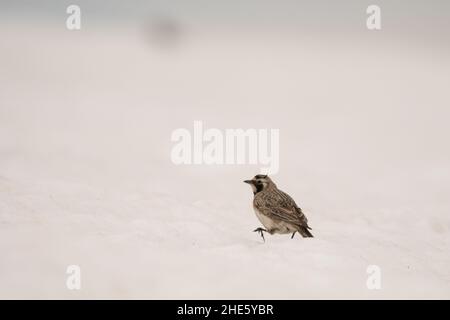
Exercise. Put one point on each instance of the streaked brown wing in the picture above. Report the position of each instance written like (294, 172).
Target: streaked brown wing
(281, 206)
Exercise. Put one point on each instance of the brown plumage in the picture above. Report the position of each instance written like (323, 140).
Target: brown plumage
(276, 210)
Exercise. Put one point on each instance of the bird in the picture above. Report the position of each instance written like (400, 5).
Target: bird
(276, 210)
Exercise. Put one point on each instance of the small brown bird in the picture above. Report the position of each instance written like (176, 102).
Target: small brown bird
(276, 210)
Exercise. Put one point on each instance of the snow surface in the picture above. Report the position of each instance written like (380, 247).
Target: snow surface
(86, 176)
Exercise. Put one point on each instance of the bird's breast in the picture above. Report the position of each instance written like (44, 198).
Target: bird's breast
(265, 220)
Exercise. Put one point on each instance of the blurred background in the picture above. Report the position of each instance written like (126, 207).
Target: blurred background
(86, 118)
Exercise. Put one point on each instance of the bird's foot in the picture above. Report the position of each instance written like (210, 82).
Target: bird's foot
(292, 237)
(261, 232)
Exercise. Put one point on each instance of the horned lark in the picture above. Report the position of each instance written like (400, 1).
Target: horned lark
(276, 210)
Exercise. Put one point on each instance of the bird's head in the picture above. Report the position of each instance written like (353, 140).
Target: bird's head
(260, 182)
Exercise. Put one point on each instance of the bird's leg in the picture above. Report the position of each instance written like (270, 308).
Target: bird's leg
(261, 230)
(292, 237)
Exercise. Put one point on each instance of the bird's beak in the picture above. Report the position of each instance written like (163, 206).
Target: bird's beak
(248, 181)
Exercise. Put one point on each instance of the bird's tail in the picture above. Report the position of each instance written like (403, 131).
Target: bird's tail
(305, 232)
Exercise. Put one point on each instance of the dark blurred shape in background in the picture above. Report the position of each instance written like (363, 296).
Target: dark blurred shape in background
(163, 32)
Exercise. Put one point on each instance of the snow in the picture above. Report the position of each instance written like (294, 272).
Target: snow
(86, 176)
